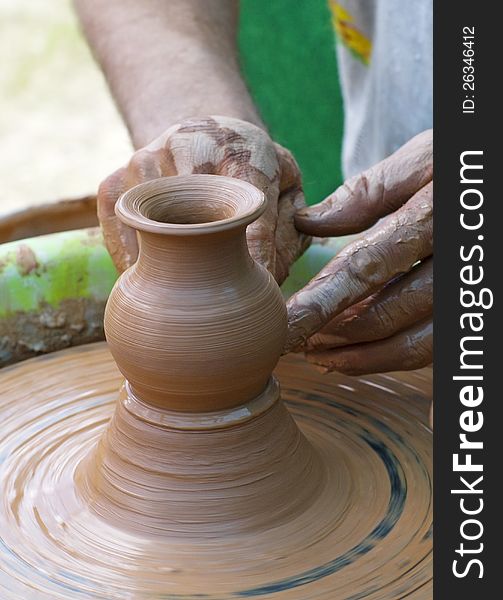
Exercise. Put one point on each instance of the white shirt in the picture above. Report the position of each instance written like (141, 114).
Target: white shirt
(385, 55)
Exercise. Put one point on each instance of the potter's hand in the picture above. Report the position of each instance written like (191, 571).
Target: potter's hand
(370, 309)
(222, 146)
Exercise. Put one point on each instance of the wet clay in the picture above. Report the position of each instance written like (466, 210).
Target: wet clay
(197, 327)
(203, 483)
(367, 533)
(195, 324)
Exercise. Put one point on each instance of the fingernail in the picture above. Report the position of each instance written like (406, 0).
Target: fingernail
(319, 210)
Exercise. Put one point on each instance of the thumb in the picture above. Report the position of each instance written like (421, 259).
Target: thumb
(364, 199)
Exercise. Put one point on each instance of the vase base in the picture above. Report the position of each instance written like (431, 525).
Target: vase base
(364, 530)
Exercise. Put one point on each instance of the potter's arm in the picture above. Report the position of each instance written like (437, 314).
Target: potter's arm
(171, 66)
(168, 60)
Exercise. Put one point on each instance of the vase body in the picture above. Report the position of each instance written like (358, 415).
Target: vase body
(195, 324)
(200, 442)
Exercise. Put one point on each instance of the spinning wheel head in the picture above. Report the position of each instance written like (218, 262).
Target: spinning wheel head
(199, 480)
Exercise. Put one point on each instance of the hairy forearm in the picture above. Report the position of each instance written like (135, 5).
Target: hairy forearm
(167, 60)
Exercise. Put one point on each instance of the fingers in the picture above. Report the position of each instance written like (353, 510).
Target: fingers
(220, 146)
(290, 244)
(409, 349)
(389, 249)
(227, 146)
(120, 240)
(289, 170)
(250, 155)
(260, 236)
(397, 306)
(364, 199)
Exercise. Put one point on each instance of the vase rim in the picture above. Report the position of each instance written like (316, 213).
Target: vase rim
(238, 202)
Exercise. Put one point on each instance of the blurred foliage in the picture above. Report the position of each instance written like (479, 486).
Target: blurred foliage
(288, 56)
(60, 133)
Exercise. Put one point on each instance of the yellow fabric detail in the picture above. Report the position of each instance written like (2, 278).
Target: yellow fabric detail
(349, 34)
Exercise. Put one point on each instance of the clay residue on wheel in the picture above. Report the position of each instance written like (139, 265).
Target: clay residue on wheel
(71, 323)
(205, 483)
(367, 534)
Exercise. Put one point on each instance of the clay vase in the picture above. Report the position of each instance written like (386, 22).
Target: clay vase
(202, 484)
(195, 324)
(200, 441)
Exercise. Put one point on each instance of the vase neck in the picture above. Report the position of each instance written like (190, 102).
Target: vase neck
(193, 258)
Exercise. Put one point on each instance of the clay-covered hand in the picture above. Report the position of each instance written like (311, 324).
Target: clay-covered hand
(220, 146)
(370, 309)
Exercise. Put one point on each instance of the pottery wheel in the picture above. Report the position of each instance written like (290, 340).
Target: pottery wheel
(367, 535)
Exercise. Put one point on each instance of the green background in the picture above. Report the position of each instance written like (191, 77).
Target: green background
(288, 56)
